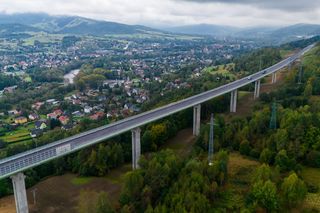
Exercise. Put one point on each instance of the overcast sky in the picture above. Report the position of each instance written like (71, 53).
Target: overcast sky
(242, 13)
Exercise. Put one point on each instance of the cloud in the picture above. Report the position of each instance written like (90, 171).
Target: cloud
(285, 5)
(177, 12)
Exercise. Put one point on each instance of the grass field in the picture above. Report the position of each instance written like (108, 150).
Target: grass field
(221, 69)
(240, 170)
(78, 181)
(21, 134)
(312, 176)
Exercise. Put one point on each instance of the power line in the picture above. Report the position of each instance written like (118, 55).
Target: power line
(211, 142)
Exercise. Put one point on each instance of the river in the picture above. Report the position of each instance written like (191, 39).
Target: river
(69, 78)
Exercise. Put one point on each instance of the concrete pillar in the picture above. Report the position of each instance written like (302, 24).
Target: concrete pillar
(257, 86)
(233, 101)
(274, 78)
(20, 194)
(196, 119)
(136, 147)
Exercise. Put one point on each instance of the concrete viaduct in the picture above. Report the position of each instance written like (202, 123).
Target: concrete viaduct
(14, 166)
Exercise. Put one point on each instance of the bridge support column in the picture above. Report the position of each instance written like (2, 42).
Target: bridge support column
(257, 89)
(136, 148)
(274, 78)
(233, 101)
(196, 119)
(20, 193)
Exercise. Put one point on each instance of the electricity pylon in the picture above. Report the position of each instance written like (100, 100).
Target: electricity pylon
(211, 142)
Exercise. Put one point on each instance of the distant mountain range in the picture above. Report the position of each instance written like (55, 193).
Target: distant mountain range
(280, 34)
(36, 22)
(66, 25)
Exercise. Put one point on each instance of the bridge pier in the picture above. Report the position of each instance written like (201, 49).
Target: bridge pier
(233, 101)
(20, 193)
(136, 148)
(274, 77)
(257, 86)
(196, 119)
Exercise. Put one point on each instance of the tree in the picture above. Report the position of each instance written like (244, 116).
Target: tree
(2, 144)
(281, 138)
(308, 89)
(293, 190)
(263, 173)
(313, 158)
(103, 204)
(283, 161)
(245, 148)
(147, 142)
(131, 192)
(264, 194)
(266, 156)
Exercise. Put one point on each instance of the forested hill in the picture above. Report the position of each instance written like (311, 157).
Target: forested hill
(268, 56)
(280, 149)
(68, 25)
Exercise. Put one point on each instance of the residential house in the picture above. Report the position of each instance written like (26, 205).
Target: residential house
(50, 101)
(58, 112)
(77, 114)
(37, 105)
(64, 120)
(36, 133)
(34, 117)
(88, 109)
(97, 116)
(21, 120)
(10, 89)
(52, 116)
(41, 124)
(13, 112)
(67, 126)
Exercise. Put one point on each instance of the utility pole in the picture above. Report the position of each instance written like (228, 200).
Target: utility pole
(210, 154)
(273, 120)
(34, 196)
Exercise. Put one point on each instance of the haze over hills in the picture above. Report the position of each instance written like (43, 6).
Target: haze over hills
(68, 25)
(35, 22)
(280, 34)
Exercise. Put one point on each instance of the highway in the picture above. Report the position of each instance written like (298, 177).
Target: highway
(40, 155)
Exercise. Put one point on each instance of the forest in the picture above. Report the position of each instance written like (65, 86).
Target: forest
(282, 148)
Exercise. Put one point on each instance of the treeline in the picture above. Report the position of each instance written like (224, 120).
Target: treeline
(166, 183)
(259, 59)
(99, 159)
(50, 75)
(301, 43)
(7, 81)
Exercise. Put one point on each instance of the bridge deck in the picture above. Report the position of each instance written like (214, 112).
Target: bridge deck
(40, 155)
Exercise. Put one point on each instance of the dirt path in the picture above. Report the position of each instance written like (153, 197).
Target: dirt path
(59, 194)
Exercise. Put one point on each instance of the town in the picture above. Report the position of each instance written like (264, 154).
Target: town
(134, 73)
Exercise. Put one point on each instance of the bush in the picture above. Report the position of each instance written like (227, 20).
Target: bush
(283, 161)
(254, 153)
(245, 148)
(266, 156)
(313, 158)
(312, 188)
